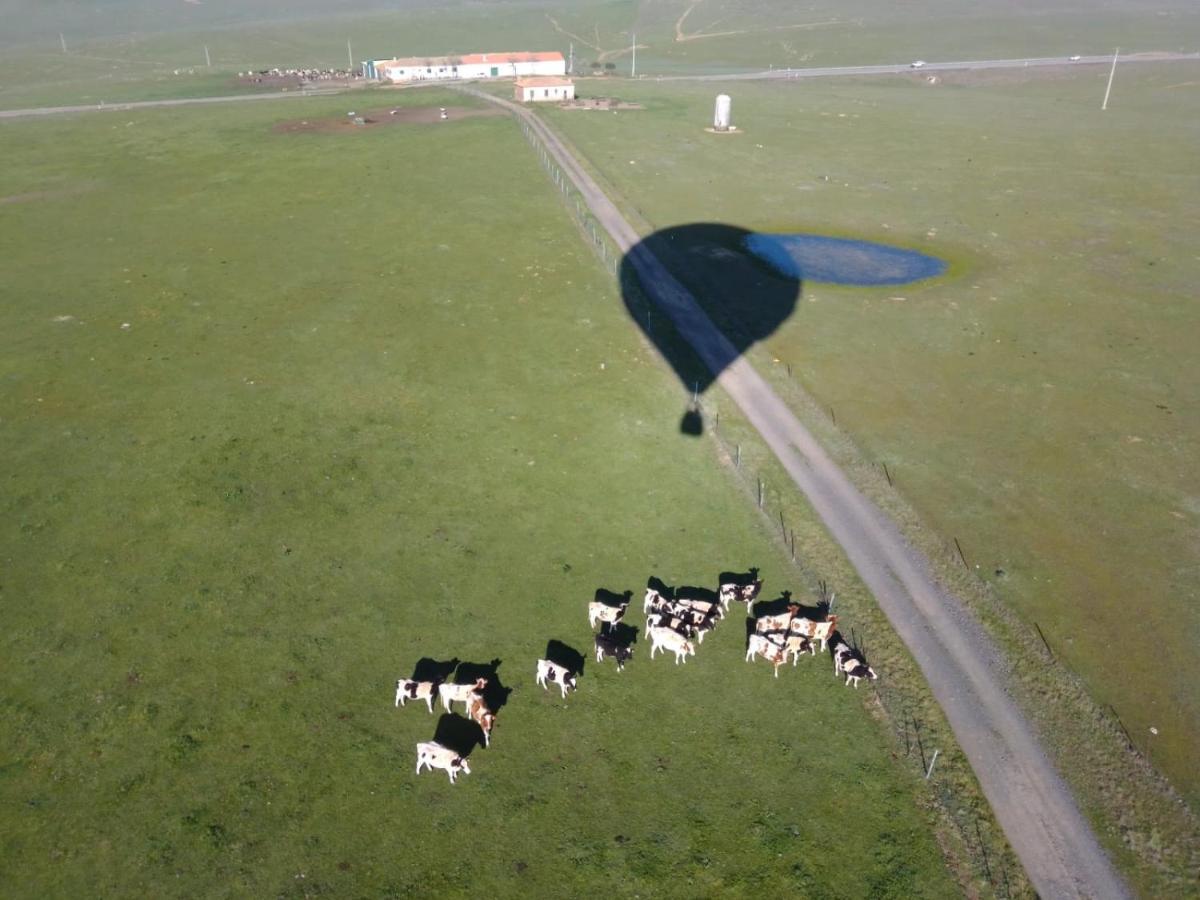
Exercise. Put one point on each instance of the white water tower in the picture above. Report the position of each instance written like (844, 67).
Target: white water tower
(721, 115)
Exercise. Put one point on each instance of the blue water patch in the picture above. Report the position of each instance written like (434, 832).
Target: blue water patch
(814, 257)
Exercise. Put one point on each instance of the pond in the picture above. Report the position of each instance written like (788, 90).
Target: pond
(814, 257)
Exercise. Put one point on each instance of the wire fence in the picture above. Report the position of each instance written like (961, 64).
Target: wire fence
(603, 245)
(922, 742)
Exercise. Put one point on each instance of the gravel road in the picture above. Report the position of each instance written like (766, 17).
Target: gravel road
(964, 669)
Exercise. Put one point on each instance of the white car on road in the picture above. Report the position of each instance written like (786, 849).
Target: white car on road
(917, 64)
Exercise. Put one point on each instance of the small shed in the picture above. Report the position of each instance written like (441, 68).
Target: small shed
(545, 89)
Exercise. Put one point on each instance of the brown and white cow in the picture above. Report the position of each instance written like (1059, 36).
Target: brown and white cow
(668, 639)
(433, 755)
(768, 650)
(779, 622)
(797, 644)
(459, 693)
(814, 631)
(407, 689)
(548, 671)
(479, 713)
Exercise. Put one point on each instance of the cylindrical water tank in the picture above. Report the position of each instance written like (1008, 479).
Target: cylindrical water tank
(721, 115)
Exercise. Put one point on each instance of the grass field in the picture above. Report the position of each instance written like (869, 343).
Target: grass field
(285, 413)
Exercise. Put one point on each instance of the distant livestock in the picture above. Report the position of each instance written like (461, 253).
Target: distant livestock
(548, 671)
(433, 755)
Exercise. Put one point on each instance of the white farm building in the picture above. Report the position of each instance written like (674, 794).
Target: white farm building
(467, 67)
(544, 89)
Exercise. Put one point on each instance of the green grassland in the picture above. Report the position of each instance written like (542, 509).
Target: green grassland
(1033, 402)
(284, 413)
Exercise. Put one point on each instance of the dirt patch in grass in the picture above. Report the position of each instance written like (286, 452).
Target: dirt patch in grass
(365, 119)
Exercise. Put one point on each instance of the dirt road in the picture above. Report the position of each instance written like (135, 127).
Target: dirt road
(963, 667)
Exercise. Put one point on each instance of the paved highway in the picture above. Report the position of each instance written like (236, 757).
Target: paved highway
(965, 65)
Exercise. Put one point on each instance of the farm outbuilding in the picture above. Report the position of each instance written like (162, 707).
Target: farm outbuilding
(544, 90)
(469, 66)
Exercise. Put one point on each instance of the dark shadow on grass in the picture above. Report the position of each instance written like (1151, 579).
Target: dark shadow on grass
(775, 607)
(495, 694)
(565, 655)
(612, 598)
(624, 635)
(457, 733)
(660, 587)
(429, 669)
(744, 297)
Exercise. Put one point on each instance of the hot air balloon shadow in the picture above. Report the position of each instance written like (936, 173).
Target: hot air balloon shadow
(744, 297)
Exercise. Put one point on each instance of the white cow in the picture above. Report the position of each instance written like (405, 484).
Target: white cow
(459, 693)
(668, 639)
(434, 756)
(768, 650)
(407, 689)
(602, 612)
(560, 675)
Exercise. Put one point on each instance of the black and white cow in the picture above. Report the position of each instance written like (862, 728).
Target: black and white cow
(743, 586)
(548, 671)
(607, 645)
(848, 662)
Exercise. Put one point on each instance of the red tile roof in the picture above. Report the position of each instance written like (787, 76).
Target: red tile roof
(516, 57)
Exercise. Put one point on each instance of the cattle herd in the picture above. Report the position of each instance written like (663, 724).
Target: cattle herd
(677, 620)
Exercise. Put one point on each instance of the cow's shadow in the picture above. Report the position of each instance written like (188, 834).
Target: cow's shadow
(612, 598)
(776, 607)
(437, 671)
(565, 655)
(744, 298)
(495, 694)
(625, 635)
(458, 733)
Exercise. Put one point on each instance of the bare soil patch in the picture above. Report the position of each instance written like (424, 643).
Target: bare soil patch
(366, 119)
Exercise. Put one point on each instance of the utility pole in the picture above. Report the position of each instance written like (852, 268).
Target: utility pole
(62, 40)
(1111, 73)
(349, 55)
(207, 58)
(633, 69)
(571, 60)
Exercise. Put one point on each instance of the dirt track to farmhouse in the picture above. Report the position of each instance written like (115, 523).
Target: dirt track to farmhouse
(963, 667)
